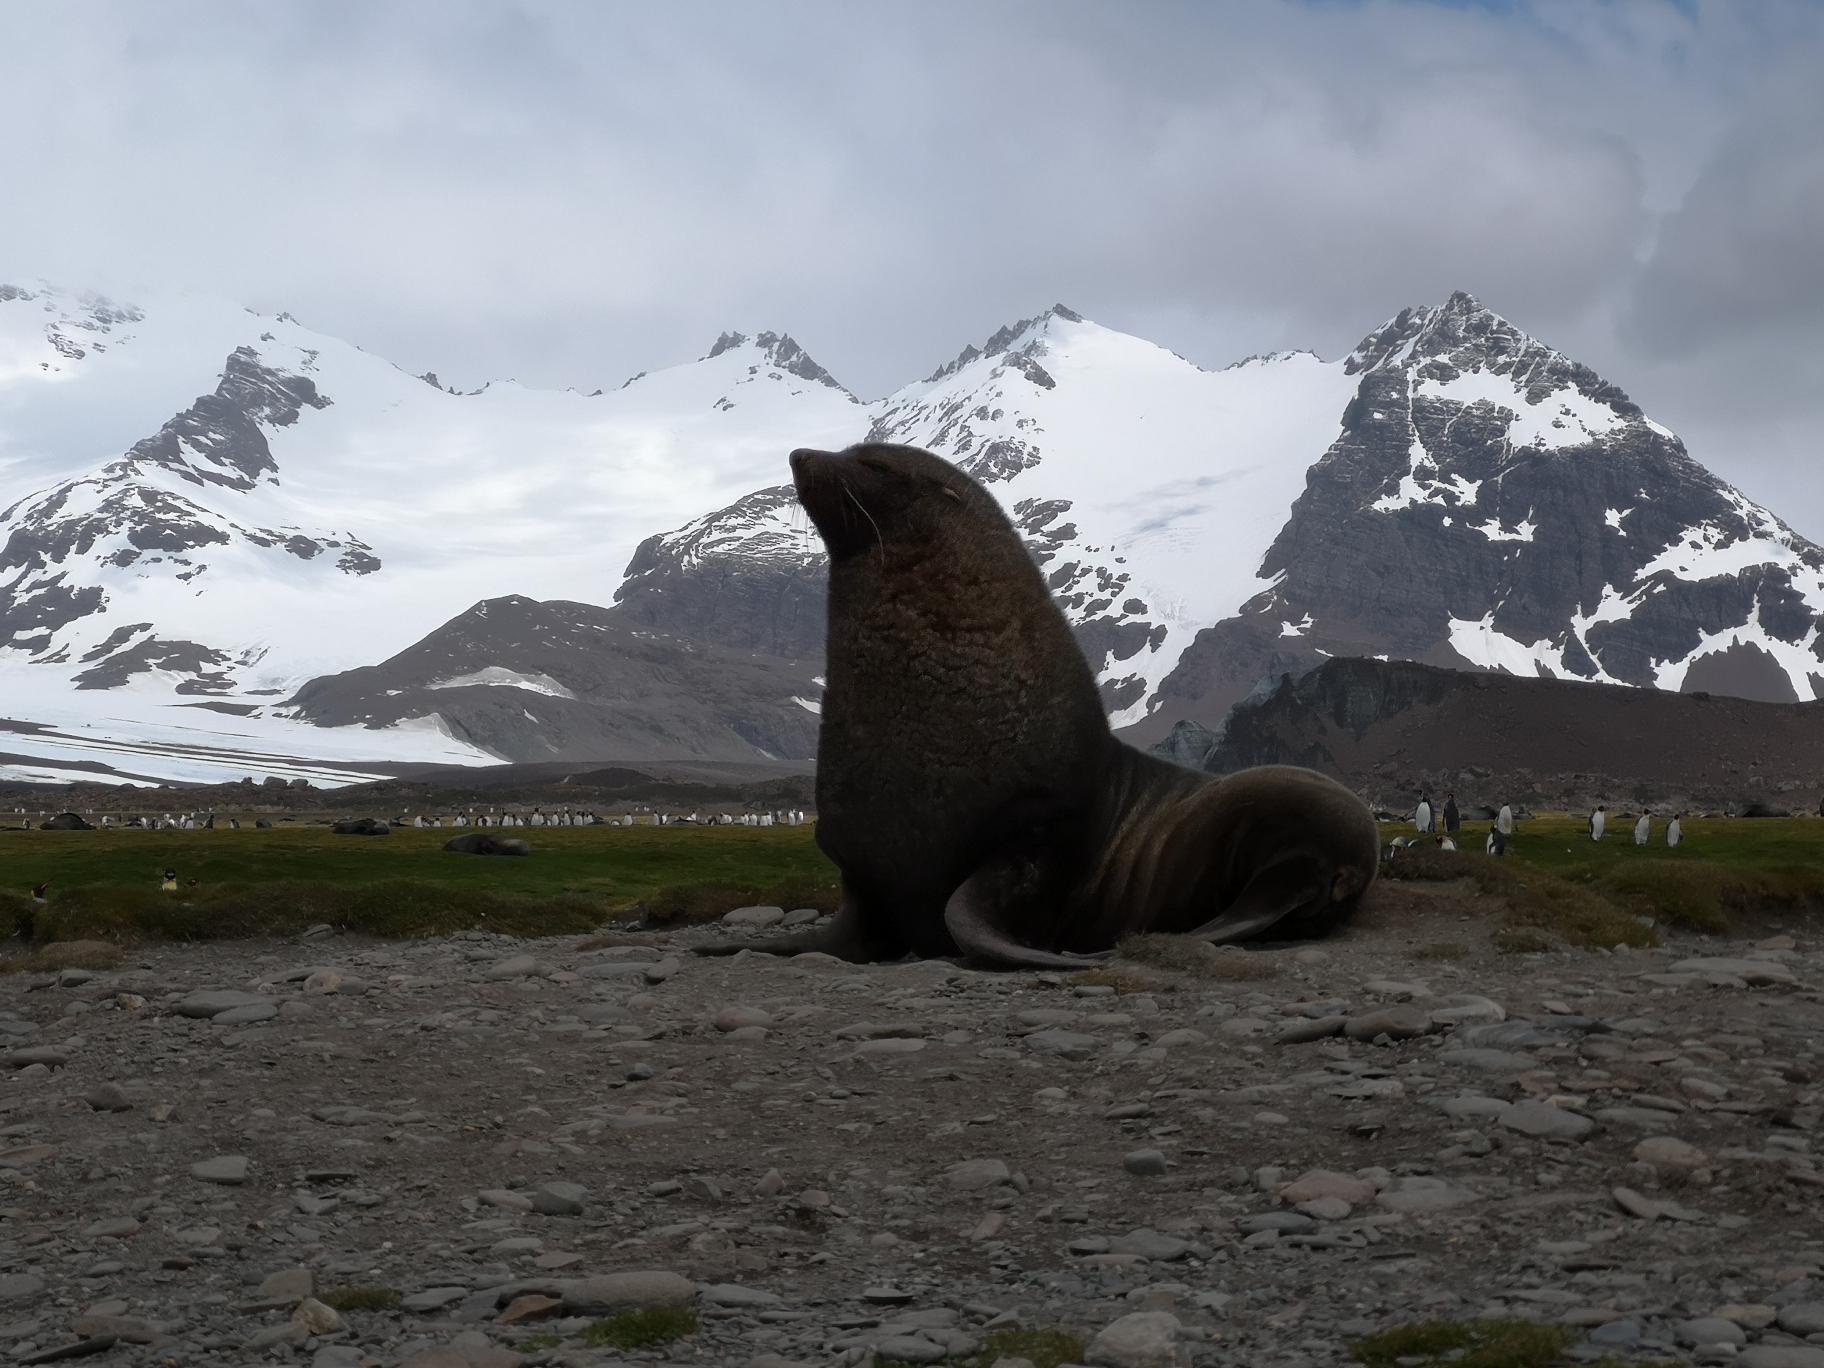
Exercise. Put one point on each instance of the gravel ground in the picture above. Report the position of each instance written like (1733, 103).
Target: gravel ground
(1252, 1165)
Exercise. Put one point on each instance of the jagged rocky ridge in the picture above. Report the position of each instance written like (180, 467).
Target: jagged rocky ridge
(1390, 729)
(585, 683)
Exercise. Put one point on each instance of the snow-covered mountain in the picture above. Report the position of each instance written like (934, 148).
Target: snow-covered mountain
(201, 509)
(1148, 489)
(1492, 504)
(1453, 492)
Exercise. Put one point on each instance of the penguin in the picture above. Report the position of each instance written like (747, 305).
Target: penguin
(1421, 816)
(1597, 821)
(1643, 828)
(170, 882)
(1675, 832)
(1497, 841)
(1445, 843)
(234, 824)
(1453, 819)
(1505, 820)
(38, 891)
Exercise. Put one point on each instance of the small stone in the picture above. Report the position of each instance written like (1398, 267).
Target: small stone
(519, 966)
(506, 1199)
(660, 970)
(532, 1306)
(1181, 1038)
(108, 1097)
(618, 1291)
(1664, 1152)
(1150, 1244)
(228, 1169)
(734, 1018)
(17, 1286)
(704, 1188)
(974, 1174)
(889, 1047)
(1285, 1222)
(1303, 1030)
(1780, 1356)
(1616, 1332)
(246, 1016)
(1421, 1196)
(911, 1349)
(288, 1282)
(1396, 1023)
(736, 1294)
(315, 1317)
(115, 1228)
(771, 1183)
(560, 1199)
(1710, 1330)
(1325, 1208)
(1064, 1044)
(1316, 1183)
(1704, 1088)
(1757, 1316)
(1543, 1121)
(1634, 1204)
(433, 1298)
(884, 1295)
(1144, 1163)
(1144, 1339)
(41, 1057)
(1802, 1318)
(754, 916)
(215, 1002)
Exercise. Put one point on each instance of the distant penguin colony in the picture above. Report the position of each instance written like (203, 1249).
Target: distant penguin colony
(1597, 821)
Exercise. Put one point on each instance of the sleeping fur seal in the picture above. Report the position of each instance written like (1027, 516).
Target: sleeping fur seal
(968, 787)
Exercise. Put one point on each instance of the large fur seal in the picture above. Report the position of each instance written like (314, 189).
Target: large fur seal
(968, 787)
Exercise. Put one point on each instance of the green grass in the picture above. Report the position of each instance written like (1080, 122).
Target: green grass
(1466, 1344)
(1722, 867)
(1045, 1348)
(1542, 909)
(360, 1298)
(636, 1329)
(105, 884)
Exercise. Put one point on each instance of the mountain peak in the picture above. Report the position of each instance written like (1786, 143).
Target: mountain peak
(1004, 339)
(778, 349)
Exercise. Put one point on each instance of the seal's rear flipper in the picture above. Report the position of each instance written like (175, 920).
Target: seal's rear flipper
(972, 918)
(846, 938)
(1275, 893)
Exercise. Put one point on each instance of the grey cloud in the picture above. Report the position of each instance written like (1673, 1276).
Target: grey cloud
(568, 193)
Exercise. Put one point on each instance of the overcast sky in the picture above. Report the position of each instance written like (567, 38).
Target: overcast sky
(568, 193)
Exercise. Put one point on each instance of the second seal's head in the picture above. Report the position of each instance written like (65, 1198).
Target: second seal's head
(879, 496)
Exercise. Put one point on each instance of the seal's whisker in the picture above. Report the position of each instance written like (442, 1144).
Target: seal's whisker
(879, 540)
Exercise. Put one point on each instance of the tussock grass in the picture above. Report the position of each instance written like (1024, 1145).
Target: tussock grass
(1043, 1348)
(1702, 893)
(389, 907)
(1466, 1344)
(636, 1329)
(1537, 900)
(65, 955)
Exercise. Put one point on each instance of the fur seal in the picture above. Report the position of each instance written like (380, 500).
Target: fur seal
(968, 787)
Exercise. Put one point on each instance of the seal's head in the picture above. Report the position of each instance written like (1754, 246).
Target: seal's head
(877, 496)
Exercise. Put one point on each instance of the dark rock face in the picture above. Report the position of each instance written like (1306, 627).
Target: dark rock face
(751, 576)
(529, 681)
(486, 843)
(779, 350)
(1491, 503)
(207, 667)
(1391, 729)
(128, 515)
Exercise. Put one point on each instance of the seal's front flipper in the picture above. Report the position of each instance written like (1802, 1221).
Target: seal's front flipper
(847, 938)
(974, 919)
(1275, 893)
